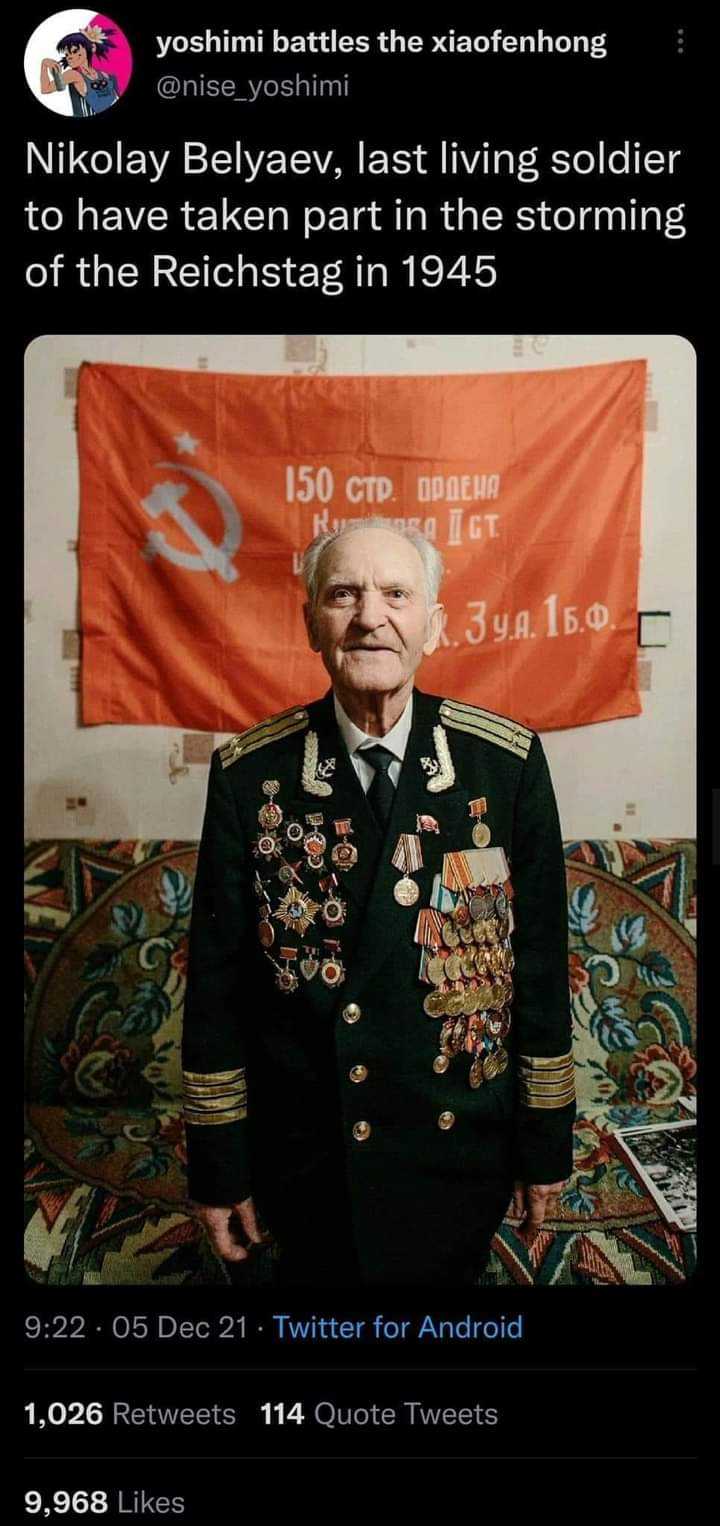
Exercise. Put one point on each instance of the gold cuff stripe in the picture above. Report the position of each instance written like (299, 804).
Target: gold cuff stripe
(549, 1078)
(226, 1088)
(231, 1115)
(546, 1088)
(545, 1062)
(218, 1104)
(213, 1077)
(547, 1102)
(258, 736)
(514, 742)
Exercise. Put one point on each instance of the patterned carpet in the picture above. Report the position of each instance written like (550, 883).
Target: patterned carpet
(105, 954)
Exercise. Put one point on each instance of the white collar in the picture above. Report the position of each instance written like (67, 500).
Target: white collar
(395, 740)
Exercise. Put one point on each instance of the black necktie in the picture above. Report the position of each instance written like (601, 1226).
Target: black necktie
(382, 789)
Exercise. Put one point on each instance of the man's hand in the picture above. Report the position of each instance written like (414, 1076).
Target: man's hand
(531, 1203)
(216, 1222)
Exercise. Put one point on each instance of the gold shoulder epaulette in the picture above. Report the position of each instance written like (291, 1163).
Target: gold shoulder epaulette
(485, 724)
(266, 731)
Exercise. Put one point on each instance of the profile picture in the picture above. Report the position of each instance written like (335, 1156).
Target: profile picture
(77, 63)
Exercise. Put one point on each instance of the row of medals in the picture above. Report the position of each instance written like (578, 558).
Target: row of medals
(471, 971)
(278, 840)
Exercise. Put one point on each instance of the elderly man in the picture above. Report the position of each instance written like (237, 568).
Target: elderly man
(377, 1023)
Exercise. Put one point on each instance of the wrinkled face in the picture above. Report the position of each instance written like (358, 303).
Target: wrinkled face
(371, 620)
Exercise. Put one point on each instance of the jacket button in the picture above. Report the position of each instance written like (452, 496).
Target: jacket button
(361, 1131)
(440, 1064)
(358, 1073)
(446, 1120)
(352, 1012)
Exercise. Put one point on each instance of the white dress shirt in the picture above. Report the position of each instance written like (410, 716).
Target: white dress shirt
(358, 741)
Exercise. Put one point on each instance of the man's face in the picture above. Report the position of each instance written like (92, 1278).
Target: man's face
(371, 621)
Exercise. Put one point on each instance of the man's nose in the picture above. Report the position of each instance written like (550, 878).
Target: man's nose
(370, 610)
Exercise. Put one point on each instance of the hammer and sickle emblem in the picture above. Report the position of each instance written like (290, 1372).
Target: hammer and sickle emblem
(166, 498)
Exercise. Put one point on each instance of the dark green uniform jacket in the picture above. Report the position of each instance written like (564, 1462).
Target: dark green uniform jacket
(326, 1019)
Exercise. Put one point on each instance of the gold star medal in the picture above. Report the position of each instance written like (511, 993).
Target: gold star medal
(296, 910)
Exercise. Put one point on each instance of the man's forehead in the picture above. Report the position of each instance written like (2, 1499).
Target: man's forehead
(379, 553)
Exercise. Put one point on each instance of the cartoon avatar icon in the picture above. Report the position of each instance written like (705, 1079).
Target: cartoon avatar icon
(92, 90)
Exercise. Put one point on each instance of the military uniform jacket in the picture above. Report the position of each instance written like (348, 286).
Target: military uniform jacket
(428, 1043)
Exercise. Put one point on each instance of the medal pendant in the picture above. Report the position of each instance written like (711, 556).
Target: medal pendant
(458, 1035)
(286, 981)
(294, 832)
(266, 934)
(344, 855)
(333, 911)
(491, 1067)
(454, 1003)
(450, 935)
(270, 816)
(315, 861)
(446, 1035)
(475, 1075)
(480, 834)
(467, 964)
(267, 846)
(310, 965)
(501, 903)
(470, 1001)
(314, 844)
(501, 1056)
(436, 970)
(453, 967)
(406, 892)
(435, 1004)
(332, 972)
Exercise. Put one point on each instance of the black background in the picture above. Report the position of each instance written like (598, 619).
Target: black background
(602, 1372)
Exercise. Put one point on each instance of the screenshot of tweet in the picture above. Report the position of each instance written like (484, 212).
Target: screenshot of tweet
(363, 843)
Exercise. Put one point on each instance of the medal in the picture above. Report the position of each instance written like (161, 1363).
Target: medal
(296, 910)
(314, 844)
(450, 935)
(467, 964)
(454, 1003)
(310, 965)
(294, 832)
(407, 858)
(344, 855)
(286, 980)
(266, 933)
(452, 967)
(446, 1035)
(426, 824)
(436, 970)
(270, 815)
(267, 846)
(435, 1004)
(333, 911)
(332, 969)
(475, 1074)
(288, 872)
(480, 832)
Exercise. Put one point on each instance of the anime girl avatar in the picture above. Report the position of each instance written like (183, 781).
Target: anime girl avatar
(91, 89)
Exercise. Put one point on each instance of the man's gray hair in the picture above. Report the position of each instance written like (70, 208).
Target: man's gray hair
(430, 557)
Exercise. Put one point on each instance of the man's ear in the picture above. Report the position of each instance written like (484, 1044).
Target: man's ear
(310, 628)
(435, 625)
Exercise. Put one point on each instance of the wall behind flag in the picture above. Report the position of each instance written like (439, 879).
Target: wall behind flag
(633, 776)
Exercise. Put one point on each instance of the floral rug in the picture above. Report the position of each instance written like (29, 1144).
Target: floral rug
(105, 958)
